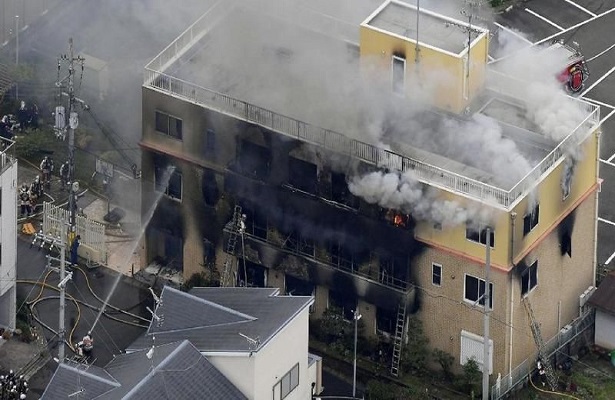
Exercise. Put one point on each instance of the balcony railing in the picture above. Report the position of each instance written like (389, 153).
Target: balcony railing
(156, 78)
(7, 153)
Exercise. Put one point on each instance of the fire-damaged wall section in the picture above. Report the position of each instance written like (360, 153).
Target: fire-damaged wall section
(564, 231)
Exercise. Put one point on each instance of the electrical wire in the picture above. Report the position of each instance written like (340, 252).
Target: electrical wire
(31, 290)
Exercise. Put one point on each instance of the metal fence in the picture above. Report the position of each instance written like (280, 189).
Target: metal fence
(92, 233)
(156, 78)
(518, 375)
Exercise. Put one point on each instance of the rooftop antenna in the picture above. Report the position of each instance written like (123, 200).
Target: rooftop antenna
(472, 7)
(254, 343)
(156, 298)
(77, 393)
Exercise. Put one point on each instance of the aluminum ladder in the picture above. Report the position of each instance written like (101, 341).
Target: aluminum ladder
(227, 280)
(399, 338)
(549, 372)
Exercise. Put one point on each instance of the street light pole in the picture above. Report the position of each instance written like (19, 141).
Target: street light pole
(17, 52)
(356, 316)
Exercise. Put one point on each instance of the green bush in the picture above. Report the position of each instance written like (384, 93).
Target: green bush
(471, 379)
(416, 352)
(446, 362)
(496, 3)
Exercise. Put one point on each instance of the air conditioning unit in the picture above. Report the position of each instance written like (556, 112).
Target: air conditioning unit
(583, 299)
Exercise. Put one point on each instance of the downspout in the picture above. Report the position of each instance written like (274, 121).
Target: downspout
(513, 218)
(595, 258)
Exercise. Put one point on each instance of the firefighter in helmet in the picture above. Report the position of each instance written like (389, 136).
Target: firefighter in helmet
(85, 346)
(24, 200)
(47, 169)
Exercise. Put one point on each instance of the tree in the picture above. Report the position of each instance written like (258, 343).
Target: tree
(415, 352)
(446, 362)
(472, 375)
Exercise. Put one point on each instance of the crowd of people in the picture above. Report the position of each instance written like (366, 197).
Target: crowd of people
(30, 195)
(26, 117)
(13, 386)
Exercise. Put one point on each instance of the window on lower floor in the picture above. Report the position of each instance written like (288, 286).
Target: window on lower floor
(297, 243)
(386, 320)
(298, 287)
(169, 125)
(254, 160)
(287, 384)
(169, 181)
(210, 142)
(529, 278)
(479, 235)
(474, 290)
(436, 274)
(472, 347)
(250, 274)
(303, 175)
(393, 270)
(344, 302)
(256, 221)
(530, 220)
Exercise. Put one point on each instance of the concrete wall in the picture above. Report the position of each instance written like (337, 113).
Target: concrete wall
(605, 330)
(8, 245)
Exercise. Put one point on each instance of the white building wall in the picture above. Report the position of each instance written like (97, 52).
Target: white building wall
(8, 243)
(605, 330)
(239, 369)
(289, 347)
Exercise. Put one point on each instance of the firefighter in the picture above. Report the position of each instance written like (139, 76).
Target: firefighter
(22, 116)
(85, 346)
(24, 200)
(542, 373)
(36, 188)
(47, 169)
(64, 169)
(74, 247)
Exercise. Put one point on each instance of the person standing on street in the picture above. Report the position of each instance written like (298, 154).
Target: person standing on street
(47, 169)
(73, 250)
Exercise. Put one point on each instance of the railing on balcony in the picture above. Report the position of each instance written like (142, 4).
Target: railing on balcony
(156, 78)
(7, 153)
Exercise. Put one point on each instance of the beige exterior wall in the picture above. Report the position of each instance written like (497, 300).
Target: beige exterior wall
(437, 75)
(240, 370)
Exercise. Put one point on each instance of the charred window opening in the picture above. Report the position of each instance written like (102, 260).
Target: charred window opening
(342, 257)
(251, 275)
(344, 303)
(398, 74)
(209, 253)
(297, 243)
(386, 320)
(211, 193)
(303, 175)
(474, 291)
(436, 274)
(298, 287)
(168, 181)
(210, 142)
(529, 278)
(530, 220)
(393, 270)
(256, 222)
(566, 244)
(254, 160)
(168, 249)
(169, 125)
(480, 235)
(340, 192)
(398, 219)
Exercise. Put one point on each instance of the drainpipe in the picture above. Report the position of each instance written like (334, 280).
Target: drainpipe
(595, 261)
(513, 220)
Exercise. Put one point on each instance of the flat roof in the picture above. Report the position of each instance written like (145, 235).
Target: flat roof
(298, 73)
(426, 27)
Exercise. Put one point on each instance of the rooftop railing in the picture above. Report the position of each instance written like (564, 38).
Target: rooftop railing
(156, 78)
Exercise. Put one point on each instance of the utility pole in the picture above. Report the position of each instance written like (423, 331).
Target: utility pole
(73, 121)
(58, 243)
(417, 50)
(356, 316)
(17, 53)
(473, 5)
(486, 317)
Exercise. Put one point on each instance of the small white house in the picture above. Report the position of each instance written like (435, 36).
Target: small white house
(603, 300)
(8, 237)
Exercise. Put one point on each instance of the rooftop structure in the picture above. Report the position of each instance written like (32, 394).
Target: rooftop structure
(202, 67)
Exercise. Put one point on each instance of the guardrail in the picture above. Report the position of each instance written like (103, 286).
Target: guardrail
(155, 78)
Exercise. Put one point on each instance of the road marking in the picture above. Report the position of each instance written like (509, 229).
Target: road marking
(491, 58)
(512, 32)
(548, 21)
(599, 54)
(607, 162)
(580, 7)
(608, 260)
(599, 103)
(548, 38)
(610, 159)
(606, 221)
(593, 85)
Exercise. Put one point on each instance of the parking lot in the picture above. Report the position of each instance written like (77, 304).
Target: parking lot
(591, 24)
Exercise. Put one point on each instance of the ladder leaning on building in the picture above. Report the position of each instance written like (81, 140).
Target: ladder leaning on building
(542, 356)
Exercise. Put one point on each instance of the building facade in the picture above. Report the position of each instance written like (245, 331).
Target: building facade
(8, 236)
(260, 188)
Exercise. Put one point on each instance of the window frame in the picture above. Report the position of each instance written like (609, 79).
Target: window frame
(210, 141)
(531, 220)
(278, 388)
(528, 273)
(478, 294)
(179, 133)
(398, 89)
(482, 235)
(434, 274)
(166, 192)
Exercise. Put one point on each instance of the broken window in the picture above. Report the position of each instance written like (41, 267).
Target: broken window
(529, 278)
(209, 186)
(480, 235)
(298, 287)
(303, 175)
(474, 291)
(393, 270)
(251, 274)
(256, 222)
(345, 303)
(254, 160)
(398, 75)
(341, 257)
(297, 243)
(340, 192)
(530, 220)
(168, 181)
(386, 320)
(566, 243)
(210, 142)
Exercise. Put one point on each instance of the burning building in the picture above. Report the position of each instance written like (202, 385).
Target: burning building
(349, 157)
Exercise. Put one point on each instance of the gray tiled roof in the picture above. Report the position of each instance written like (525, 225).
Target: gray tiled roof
(71, 378)
(175, 371)
(214, 319)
